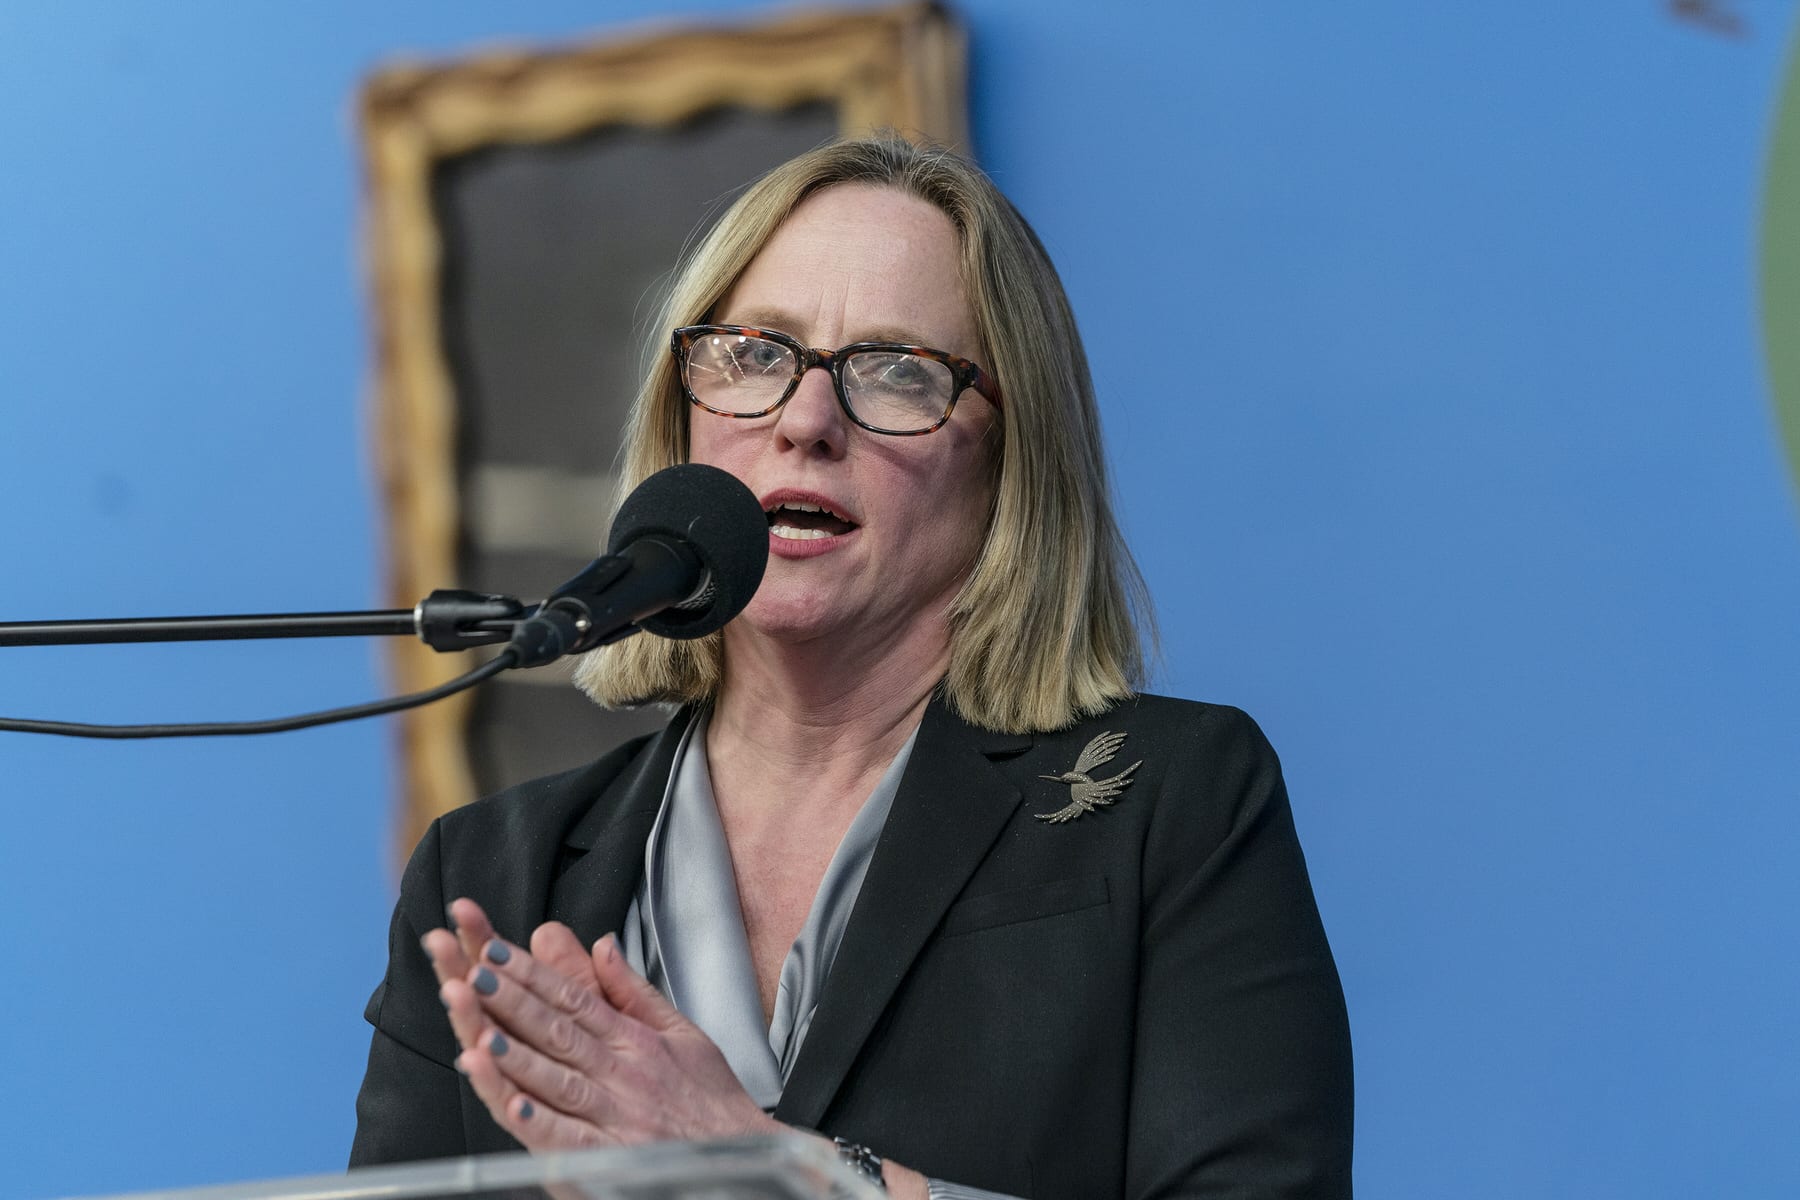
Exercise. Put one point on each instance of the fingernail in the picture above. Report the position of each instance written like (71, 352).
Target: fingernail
(462, 1068)
(497, 1045)
(525, 1110)
(449, 919)
(612, 947)
(497, 951)
(485, 983)
(443, 999)
(425, 945)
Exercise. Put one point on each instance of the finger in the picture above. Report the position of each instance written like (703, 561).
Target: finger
(541, 1007)
(471, 925)
(445, 952)
(629, 992)
(452, 968)
(570, 988)
(556, 946)
(572, 1091)
(468, 1020)
(535, 1123)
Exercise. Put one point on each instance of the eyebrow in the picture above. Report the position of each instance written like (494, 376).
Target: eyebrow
(768, 318)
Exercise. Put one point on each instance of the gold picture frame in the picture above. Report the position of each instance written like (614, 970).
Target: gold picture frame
(900, 67)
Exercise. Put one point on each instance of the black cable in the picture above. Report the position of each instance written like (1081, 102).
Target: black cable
(485, 671)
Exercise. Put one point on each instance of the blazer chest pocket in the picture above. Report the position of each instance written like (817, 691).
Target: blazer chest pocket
(1025, 904)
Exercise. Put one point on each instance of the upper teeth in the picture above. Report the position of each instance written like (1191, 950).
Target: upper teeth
(804, 506)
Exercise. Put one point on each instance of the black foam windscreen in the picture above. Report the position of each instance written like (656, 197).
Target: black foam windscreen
(720, 520)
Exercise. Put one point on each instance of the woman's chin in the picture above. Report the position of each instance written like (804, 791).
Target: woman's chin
(791, 619)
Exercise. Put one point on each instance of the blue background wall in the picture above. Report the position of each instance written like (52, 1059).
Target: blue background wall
(1451, 459)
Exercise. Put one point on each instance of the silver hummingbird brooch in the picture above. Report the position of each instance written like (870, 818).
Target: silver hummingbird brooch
(1085, 792)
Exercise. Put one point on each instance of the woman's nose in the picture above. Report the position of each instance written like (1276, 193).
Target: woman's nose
(812, 418)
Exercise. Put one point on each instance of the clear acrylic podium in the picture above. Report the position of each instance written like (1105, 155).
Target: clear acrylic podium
(777, 1168)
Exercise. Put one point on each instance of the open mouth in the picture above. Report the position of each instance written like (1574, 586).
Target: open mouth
(799, 521)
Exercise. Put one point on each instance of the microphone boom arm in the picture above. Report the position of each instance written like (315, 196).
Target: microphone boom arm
(448, 619)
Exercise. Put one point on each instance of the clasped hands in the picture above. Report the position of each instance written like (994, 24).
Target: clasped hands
(572, 1049)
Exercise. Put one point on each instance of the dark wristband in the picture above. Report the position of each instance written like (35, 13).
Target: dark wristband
(864, 1161)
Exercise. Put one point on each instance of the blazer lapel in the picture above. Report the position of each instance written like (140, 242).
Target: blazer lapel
(592, 895)
(951, 806)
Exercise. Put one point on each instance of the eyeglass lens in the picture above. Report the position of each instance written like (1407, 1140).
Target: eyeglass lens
(889, 389)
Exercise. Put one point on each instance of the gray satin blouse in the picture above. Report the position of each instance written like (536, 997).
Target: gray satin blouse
(685, 932)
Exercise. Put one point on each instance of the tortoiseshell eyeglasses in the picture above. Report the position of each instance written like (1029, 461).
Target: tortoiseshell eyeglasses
(885, 387)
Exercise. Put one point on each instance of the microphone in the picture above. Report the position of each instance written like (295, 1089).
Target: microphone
(684, 556)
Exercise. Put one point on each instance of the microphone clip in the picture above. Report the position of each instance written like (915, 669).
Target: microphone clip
(456, 619)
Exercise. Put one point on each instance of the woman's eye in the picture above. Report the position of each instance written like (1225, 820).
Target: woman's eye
(907, 373)
(759, 356)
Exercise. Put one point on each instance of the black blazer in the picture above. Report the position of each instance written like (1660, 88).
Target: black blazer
(1139, 1002)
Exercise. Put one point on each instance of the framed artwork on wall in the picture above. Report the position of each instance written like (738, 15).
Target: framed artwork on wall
(523, 210)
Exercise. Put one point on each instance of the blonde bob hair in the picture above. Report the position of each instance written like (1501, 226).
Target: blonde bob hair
(1045, 629)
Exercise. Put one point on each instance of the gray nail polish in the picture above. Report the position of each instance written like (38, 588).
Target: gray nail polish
(497, 951)
(498, 1045)
(485, 983)
(525, 1110)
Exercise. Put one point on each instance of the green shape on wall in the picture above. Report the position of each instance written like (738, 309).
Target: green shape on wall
(1781, 262)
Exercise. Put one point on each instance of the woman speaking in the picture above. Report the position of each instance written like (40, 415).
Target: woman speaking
(913, 865)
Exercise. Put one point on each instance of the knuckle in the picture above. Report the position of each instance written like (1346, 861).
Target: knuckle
(561, 1036)
(576, 1094)
(567, 996)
